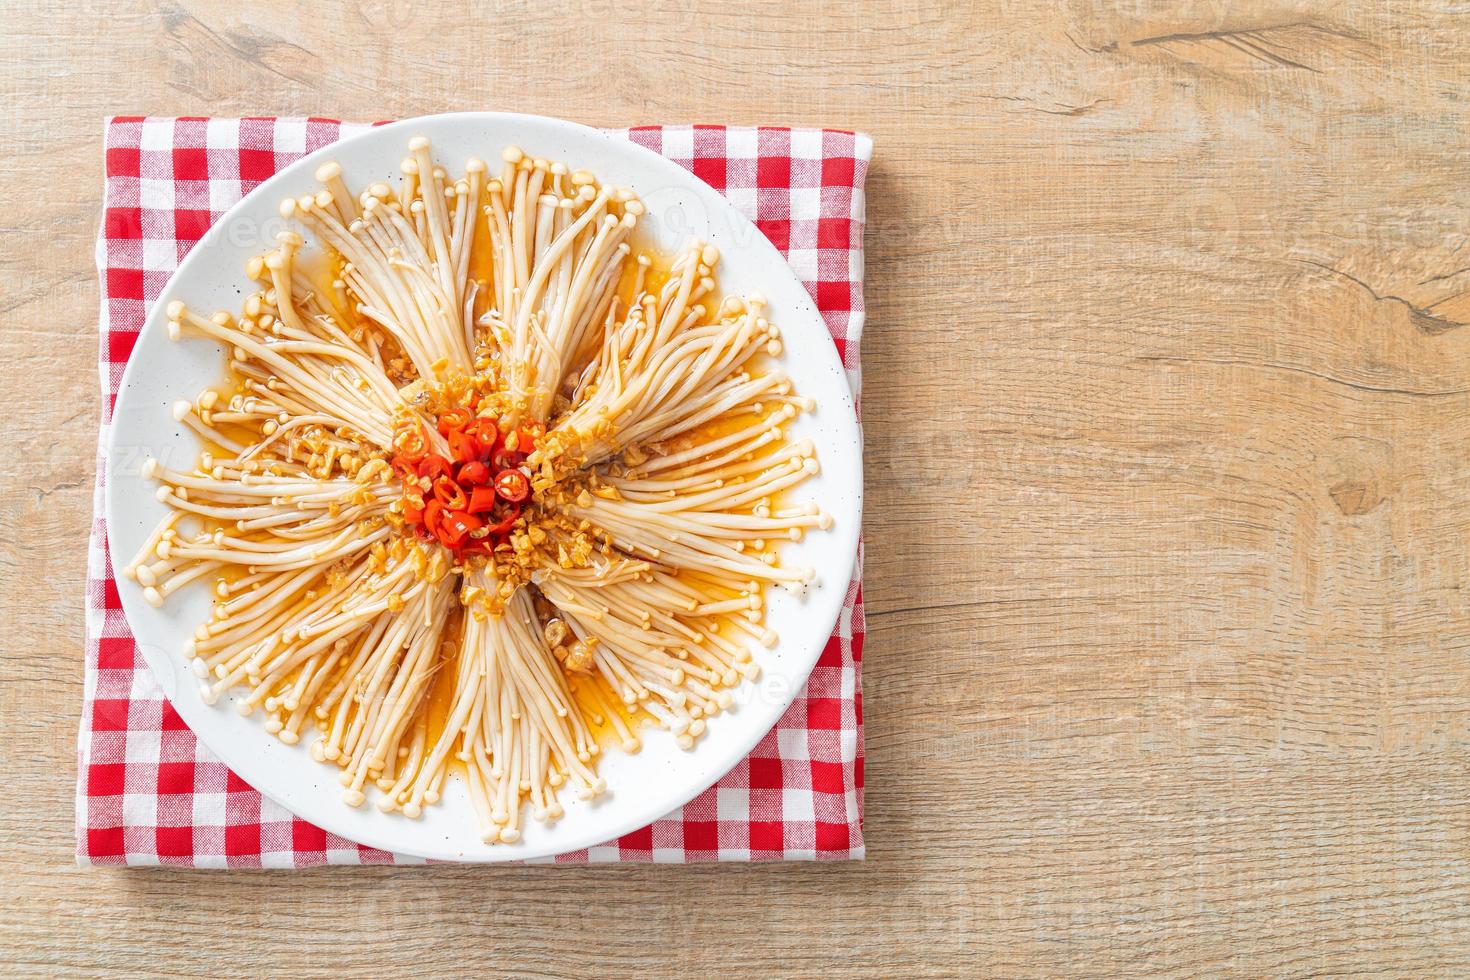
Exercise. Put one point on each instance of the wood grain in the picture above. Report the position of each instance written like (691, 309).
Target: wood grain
(1167, 415)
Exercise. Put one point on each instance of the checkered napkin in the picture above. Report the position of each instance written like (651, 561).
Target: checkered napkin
(149, 793)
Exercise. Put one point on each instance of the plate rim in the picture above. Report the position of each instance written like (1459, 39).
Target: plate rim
(130, 591)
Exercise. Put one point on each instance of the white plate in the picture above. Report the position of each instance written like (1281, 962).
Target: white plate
(641, 787)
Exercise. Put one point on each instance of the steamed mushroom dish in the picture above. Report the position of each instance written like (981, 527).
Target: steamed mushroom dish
(489, 488)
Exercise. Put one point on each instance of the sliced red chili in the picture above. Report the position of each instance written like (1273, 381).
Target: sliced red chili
(455, 526)
(507, 458)
(487, 436)
(413, 508)
(482, 500)
(453, 419)
(404, 466)
(463, 446)
(512, 485)
(450, 494)
(434, 467)
(474, 474)
(410, 441)
(470, 497)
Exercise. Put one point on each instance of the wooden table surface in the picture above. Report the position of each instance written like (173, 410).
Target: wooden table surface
(1167, 415)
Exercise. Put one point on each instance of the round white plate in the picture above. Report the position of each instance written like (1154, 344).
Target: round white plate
(641, 787)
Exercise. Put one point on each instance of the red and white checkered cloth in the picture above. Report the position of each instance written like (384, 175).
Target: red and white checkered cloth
(149, 793)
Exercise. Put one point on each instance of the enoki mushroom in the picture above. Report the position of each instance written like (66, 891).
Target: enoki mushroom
(488, 489)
